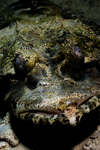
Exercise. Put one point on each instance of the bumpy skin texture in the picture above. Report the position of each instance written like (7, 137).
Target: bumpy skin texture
(49, 62)
(44, 52)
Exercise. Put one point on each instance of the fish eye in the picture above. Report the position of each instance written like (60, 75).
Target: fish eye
(78, 49)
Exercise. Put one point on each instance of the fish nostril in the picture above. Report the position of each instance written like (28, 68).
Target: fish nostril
(43, 83)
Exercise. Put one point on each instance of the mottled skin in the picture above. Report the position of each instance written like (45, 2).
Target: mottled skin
(49, 65)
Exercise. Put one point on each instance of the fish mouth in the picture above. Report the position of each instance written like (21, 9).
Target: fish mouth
(50, 115)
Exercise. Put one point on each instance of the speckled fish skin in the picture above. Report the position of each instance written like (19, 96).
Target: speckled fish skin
(50, 82)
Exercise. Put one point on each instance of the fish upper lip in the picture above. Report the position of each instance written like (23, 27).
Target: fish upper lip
(42, 111)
